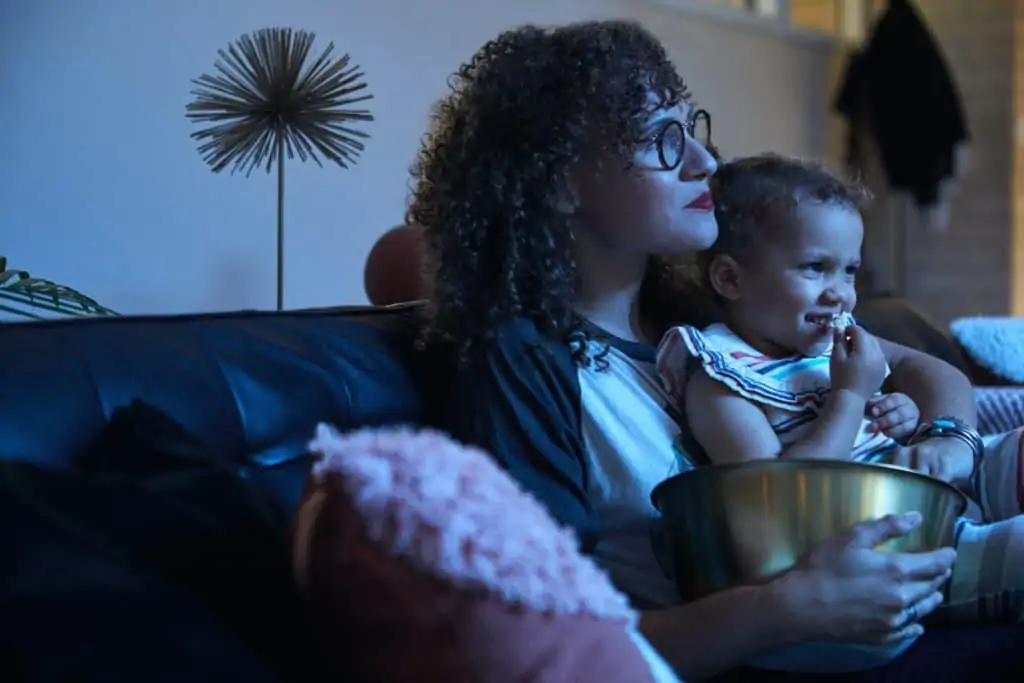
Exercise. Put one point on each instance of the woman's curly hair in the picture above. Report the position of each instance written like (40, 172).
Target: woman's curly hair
(492, 179)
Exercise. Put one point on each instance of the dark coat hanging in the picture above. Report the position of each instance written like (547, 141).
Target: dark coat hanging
(899, 90)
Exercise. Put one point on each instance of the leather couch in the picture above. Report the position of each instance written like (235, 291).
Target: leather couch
(248, 388)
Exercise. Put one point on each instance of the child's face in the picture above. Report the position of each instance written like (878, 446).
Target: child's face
(797, 277)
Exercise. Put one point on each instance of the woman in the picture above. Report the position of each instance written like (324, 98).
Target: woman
(557, 169)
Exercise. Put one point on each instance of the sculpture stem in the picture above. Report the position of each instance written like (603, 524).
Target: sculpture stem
(280, 220)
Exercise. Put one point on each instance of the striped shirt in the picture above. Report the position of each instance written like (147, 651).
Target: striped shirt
(790, 391)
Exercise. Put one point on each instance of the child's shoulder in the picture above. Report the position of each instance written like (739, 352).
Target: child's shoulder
(790, 384)
(716, 338)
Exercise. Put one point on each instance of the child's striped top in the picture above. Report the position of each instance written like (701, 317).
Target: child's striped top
(791, 391)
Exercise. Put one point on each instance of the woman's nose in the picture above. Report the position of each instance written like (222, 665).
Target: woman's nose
(698, 162)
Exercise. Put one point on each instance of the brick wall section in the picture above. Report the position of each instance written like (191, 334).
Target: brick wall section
(967, 269)
(975, 267)
(1018, 171)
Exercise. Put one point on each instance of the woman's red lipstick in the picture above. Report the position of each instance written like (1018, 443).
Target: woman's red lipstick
(702, 203)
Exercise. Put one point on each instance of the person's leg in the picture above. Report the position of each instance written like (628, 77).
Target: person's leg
(988, 578)
(1000, 483)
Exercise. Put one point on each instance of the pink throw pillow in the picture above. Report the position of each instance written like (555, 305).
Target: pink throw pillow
(422, 561)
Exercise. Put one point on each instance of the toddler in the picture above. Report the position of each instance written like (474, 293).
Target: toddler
(786, 372)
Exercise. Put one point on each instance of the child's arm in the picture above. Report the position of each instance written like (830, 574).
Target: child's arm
(732, 429)
(938, 388)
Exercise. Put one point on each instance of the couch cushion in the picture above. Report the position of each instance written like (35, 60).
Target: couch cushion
(250, 386)
(422, 560)
(173, 570)
(994, 345)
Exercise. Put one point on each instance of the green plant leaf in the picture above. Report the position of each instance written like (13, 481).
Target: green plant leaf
(37, 294)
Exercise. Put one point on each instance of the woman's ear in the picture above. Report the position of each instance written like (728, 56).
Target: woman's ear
(724, 277)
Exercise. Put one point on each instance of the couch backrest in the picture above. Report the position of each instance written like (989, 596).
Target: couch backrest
(252, 386)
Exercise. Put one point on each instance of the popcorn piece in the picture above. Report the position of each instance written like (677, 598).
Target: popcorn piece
(840, 321)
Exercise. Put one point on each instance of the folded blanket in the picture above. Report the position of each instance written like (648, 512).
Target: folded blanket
(995, 344)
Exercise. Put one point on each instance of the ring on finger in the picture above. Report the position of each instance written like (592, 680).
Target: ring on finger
(911, 615)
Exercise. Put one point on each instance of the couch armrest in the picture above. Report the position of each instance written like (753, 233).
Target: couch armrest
(1000, 409)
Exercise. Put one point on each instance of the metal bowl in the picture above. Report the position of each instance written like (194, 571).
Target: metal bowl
(730, 525)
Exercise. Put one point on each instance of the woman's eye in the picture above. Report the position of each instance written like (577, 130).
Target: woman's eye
(673, 137)
(815, 267)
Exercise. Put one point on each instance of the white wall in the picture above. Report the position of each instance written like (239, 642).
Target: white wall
(102, 189)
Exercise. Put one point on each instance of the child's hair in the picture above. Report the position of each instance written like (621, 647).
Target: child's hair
(753, 195)
(491, 185)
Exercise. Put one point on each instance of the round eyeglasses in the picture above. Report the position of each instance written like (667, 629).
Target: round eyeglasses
(671, 140)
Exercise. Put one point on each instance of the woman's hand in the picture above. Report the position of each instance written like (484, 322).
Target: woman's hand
(944, 458)
(895, 415)
(847, 590)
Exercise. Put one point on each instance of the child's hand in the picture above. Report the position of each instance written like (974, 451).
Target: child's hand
(858, 364)
(895, 415)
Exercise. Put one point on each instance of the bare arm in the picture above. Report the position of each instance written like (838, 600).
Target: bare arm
(723, 629)
(938, 388)
(732, 429)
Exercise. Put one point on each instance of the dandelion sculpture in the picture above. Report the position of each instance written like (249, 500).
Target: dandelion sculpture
(269, 99)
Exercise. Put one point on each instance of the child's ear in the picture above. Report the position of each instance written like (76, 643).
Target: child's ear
(724, 276)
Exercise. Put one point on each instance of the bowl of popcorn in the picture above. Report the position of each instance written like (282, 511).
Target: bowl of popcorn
(744, 524)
